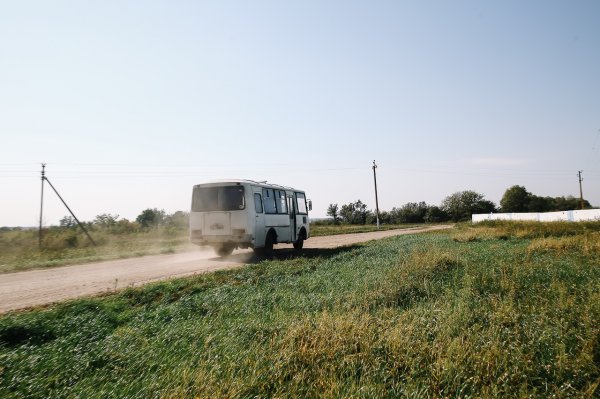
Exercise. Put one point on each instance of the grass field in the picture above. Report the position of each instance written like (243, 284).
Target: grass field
(495, 310)
(19, 249)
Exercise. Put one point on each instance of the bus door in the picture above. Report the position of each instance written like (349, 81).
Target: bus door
(259, 219)
(293, 224)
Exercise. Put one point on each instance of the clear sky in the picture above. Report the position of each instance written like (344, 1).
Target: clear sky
(130, 103)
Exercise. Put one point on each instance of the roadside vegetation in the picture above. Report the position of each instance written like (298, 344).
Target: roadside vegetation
(488, 310)
(153, 232)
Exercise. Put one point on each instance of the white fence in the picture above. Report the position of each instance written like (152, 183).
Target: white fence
(565, 216)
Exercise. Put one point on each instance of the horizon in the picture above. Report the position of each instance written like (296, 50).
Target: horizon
(312, 218)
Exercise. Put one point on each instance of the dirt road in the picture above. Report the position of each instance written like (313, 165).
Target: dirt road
(40, 287)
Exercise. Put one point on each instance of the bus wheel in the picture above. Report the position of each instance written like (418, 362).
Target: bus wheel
(224, 250)
(268, 249)
(299, 243)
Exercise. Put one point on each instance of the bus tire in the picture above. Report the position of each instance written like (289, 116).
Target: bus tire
(299, 243)
(268, 249)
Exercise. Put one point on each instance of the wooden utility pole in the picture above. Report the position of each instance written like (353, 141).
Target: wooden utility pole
(580, 188)
(376, 200)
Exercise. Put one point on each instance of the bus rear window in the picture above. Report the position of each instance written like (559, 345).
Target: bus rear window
(208, 199)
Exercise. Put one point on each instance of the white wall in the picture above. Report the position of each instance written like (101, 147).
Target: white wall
(567, 216)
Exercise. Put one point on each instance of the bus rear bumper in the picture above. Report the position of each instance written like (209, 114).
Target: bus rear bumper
(238, 240)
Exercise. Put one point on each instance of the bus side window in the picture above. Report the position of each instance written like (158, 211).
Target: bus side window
(258, 205)
(281, 199)
(269, 201)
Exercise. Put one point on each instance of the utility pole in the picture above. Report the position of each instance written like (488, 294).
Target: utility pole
(42, 205)
(580, 189)
(376, 200)
(45, 179)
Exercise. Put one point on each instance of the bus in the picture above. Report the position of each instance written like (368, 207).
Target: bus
(246, 214)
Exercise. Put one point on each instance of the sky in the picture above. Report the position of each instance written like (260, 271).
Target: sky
(131, 103)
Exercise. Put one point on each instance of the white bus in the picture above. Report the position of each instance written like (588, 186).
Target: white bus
(247, 214)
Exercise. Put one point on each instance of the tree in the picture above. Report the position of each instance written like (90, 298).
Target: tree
(106, 220)
(540, 204)
(151, 217)
(411, 212)
(354, 213)
(518, 199)
(515, 199)
(333, 211)
(178, 220)
(569, 203)
(435, 214)
(384, 217)
(461, 205)
(347, 213)
(67, 222)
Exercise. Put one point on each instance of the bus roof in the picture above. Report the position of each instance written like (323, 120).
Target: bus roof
(217, 183)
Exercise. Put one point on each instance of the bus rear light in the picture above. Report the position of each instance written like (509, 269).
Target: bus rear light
(196, 233)
(238, 231)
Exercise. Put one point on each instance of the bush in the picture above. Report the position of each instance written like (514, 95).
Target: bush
(151, 217)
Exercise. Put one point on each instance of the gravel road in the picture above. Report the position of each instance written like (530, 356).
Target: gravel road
(45, 286)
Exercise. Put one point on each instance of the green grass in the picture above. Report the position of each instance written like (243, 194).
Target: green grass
(430, 315)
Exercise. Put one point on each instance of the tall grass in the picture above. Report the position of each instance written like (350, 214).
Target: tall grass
(410, 316)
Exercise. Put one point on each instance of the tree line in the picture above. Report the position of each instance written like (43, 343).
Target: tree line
(147, 219)
(518, 199)
(456, 207)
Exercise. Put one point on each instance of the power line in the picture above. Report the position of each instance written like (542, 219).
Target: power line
(80, 173)
(134, 173)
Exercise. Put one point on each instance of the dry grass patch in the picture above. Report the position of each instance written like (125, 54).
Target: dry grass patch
(587, 244)
(476, 233)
